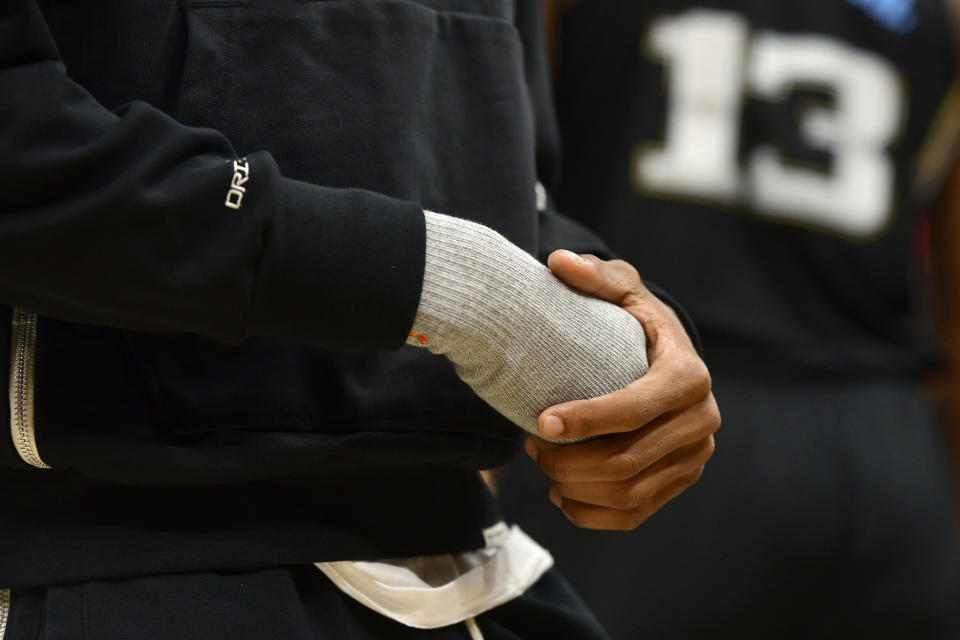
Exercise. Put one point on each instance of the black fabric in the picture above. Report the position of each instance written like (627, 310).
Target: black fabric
(193, 383)
(295, 603)
(66, 527)
(824, 513)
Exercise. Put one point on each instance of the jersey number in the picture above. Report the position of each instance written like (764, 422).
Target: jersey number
(712, 58)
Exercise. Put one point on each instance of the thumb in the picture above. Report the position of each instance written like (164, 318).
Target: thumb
(577, 271)
(610, 280)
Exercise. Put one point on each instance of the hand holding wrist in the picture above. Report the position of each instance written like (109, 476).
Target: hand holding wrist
(519, 337)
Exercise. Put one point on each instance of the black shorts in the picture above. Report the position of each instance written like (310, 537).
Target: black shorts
(289, 603)
(825, 512)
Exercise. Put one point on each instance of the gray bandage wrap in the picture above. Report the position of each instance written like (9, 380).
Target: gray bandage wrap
(519, 337)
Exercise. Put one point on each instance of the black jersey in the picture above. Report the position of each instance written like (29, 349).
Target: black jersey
(764, 162)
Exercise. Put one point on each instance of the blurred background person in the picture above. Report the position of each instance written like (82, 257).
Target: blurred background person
(769, 163)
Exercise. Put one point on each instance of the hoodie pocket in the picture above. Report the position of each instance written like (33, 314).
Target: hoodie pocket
(423, 101)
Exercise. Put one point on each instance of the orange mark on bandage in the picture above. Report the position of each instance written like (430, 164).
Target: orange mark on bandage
(422, 339)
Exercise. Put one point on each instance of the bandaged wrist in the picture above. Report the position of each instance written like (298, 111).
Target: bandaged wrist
(518, 336)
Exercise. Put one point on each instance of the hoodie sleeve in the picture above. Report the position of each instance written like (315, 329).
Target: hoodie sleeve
(130, 219)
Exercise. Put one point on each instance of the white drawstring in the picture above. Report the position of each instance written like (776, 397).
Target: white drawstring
(472, 627)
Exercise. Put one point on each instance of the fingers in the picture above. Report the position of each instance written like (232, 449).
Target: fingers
(666, 388)
(630, 494)
(657, 432)
(624, 456)
(608, 280)
(618, 481)
(589, 516)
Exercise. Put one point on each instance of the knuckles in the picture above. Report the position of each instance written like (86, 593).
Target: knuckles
(624, 269)
(711, 418)
(696, 477)
(634, 497)
(709, 447)
(706, 416)
(625, 465)
(699, 384)
(641, 406)
(553, 466)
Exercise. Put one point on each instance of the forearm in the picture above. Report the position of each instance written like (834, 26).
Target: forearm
(519, 337)
(133, 220)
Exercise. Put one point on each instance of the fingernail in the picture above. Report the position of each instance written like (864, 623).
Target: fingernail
(575, 256)
(552, 427)
(555, 497)
(531, 449)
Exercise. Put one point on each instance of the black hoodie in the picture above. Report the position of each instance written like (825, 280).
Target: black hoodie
(211, 230)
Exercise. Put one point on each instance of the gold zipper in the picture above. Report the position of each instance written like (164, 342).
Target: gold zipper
(22, 357)
(4, 611)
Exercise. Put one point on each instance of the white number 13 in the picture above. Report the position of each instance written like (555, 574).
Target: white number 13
(711, 58)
